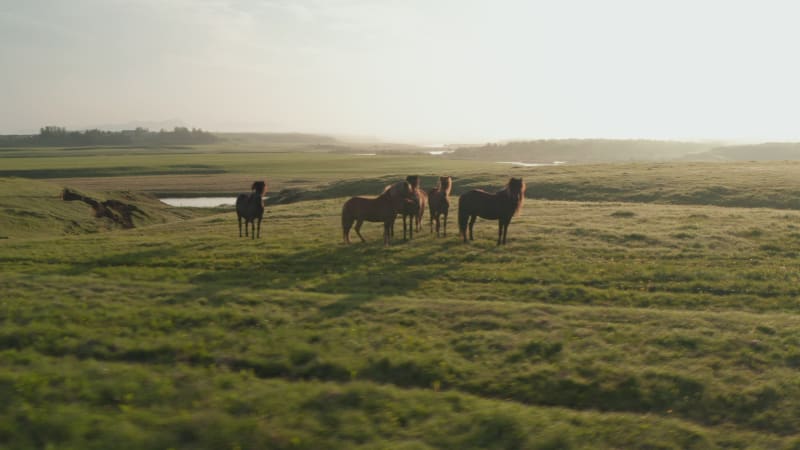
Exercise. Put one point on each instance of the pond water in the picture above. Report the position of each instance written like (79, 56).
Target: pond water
(524, 164)
(200, 202)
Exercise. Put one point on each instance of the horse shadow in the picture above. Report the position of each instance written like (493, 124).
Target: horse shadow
(133, 258)
(356, 274)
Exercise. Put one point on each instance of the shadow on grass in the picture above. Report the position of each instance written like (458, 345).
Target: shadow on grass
(358, 273)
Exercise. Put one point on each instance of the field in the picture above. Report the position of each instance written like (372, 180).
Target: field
(649, 306)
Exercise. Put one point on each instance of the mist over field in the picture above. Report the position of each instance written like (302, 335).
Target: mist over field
(425, 72)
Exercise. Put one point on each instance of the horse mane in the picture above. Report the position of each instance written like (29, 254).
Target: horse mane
(392, 189)
(413, 180)
(515, 189)
(444, 185)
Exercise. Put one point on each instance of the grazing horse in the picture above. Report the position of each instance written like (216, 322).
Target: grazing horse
(439, 201)
(250, 207)
(384, 209)
(502, 206)
(414, 210)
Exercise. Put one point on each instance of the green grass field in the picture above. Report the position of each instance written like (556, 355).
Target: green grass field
(650, 306)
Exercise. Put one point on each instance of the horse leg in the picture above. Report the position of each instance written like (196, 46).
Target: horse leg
(259, 227)
(499, 231)
(471, 225)
(444, 227)
(239, 218)
(359, 222)
(253, 229)
(411, 220)
(386, 225)
(347, 222)
(505, 231)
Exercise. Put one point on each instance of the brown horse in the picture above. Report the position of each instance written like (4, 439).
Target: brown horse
(250, 207)
(384, 209)
(409, 210)
(439, 201)
(414, 210)
(423, 203)
(502, 206)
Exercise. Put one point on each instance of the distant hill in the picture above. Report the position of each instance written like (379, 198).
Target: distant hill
(55, 136)
(774, 151)
(156, 125)
(582, 150)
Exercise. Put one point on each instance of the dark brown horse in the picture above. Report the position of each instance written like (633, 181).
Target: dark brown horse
(408, 210)
(384, 209)
(250, 207)
(414, 210)
(439, 201)
(502, 206)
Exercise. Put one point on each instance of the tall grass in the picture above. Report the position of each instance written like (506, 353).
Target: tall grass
(600, 325)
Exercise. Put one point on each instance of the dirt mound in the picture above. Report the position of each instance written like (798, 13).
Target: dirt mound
(118, 212)
(285, 196)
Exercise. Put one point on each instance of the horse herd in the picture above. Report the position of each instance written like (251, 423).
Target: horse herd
(409, 200)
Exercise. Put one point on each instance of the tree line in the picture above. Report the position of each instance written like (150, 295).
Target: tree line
(60, 136)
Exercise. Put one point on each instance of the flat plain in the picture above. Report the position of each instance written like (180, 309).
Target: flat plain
(637, 305)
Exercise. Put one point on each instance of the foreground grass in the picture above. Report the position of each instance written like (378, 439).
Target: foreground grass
(601, 325)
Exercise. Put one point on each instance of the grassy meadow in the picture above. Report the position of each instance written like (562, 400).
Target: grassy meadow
(650, 306)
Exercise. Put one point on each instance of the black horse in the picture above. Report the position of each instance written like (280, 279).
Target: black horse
(250, 207)
(502, 206)
(439, 201)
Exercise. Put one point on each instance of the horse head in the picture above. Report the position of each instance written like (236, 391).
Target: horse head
(445, 183)
(516, 190)
(399, 194)
(413, 180)
(259, 187)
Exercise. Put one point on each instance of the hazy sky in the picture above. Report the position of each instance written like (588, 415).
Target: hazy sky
(425, 70)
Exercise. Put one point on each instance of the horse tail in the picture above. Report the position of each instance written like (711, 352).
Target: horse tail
(463, 215)
(347, 220)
